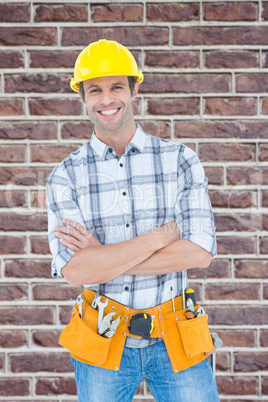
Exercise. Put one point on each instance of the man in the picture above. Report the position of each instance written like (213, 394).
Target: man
(128, 212)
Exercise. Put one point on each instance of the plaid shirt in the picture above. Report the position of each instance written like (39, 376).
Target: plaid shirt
(118, 198)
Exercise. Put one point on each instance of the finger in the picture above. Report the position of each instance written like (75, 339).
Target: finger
(69, 239)
(80, 228)
(69, 245)
(69, 231)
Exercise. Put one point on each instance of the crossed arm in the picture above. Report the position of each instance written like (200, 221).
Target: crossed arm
(156, 252)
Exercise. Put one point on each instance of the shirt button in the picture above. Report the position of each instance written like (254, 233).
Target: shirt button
(121, 165)
(110, 150)
(133, 150)
(127, 225)
(126, 288)
(124, 193)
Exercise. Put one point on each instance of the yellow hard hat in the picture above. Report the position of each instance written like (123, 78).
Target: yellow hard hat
(102, 59)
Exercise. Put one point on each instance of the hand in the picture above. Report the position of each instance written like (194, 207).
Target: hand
(75, 237)
(210, 353)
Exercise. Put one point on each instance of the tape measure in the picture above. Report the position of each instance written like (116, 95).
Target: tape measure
(141, 325)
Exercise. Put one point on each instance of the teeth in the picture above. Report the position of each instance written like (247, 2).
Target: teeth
(108, 112)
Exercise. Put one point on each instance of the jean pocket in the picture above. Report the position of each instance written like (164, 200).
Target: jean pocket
(195, 336)
(83, 342)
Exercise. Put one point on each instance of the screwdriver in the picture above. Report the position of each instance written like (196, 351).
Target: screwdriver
(191, 302)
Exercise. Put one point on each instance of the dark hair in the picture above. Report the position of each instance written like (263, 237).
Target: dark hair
(131, 80)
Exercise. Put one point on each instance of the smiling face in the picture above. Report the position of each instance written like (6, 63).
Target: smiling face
(108, 100)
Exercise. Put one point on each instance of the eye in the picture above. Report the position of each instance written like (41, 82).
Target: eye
(95, 90)
(117, 87)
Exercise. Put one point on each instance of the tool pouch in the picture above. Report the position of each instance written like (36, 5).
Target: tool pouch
(80, 337)
(195, 336)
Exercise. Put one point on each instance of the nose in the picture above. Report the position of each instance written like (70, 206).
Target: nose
(106, 98)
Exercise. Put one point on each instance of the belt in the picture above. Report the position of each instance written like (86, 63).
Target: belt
(186, 341)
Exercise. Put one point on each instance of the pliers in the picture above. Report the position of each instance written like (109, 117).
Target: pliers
(108, 325)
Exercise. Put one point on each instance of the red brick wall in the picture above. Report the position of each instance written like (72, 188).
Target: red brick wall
(206, 85)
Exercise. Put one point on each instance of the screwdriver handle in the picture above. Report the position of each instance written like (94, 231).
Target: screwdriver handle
(191, 295)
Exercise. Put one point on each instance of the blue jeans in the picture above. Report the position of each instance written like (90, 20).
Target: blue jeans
(95, 384)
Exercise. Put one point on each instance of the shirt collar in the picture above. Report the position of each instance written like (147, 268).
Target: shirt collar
(137, 141)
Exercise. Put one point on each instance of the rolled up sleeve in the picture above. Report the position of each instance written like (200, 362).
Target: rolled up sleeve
(193, 208)
(61, 204)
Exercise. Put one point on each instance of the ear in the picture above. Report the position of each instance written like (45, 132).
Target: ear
(135, 91)
(81, 98)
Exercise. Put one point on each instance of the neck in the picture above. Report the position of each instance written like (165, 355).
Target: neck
(117, 139)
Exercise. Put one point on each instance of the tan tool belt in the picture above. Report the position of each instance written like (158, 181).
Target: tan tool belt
(186, 340)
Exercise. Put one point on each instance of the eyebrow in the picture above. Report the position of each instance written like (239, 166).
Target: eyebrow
(113, 84)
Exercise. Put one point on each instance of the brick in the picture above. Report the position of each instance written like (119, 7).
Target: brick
(78, 130)
(31, 130)
(230, 12)
(39, 245)
(27, 315)
(236, 245)
(263, 152)
(9, 292)
(14, 387)
(264, 198)
(171, 59)
(264, 338)
(55, 107)
(246, 175)
(61, 13)
(159, 128)
(26, 268)
(231, 106)
(237, 315)
(232, 199)
(214, 175)
(221, 129)
(226, 152)
(46, 338)
(116, 12)
(55, 386)
(13, 198)
(24, 36)
(11, 59)
(11, 107)
(265, 59)
(13, 153)
(264, 386)
(229, 291)
(24, 176)
(264, 245)
(236, 338)
(206, 36)
(219, 268)
(53, 58)
(172, 12)
(264, 11)
(35, 362)
(170, 106)
(12, 244)
(51, 153)
(13, 339)
(265, 106)
(54, 292)
(248, 362)
(40, 83)
(265, 292)
(239, 222)
(2, 362)
(234, 385)
(128, 36)
(186, 83)
(65, 314)
(14, 12)
(136, 106)
(231, 59)
(252, 83)
(251, 269)
(23, 222)
(223, 361)
(38, 199)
